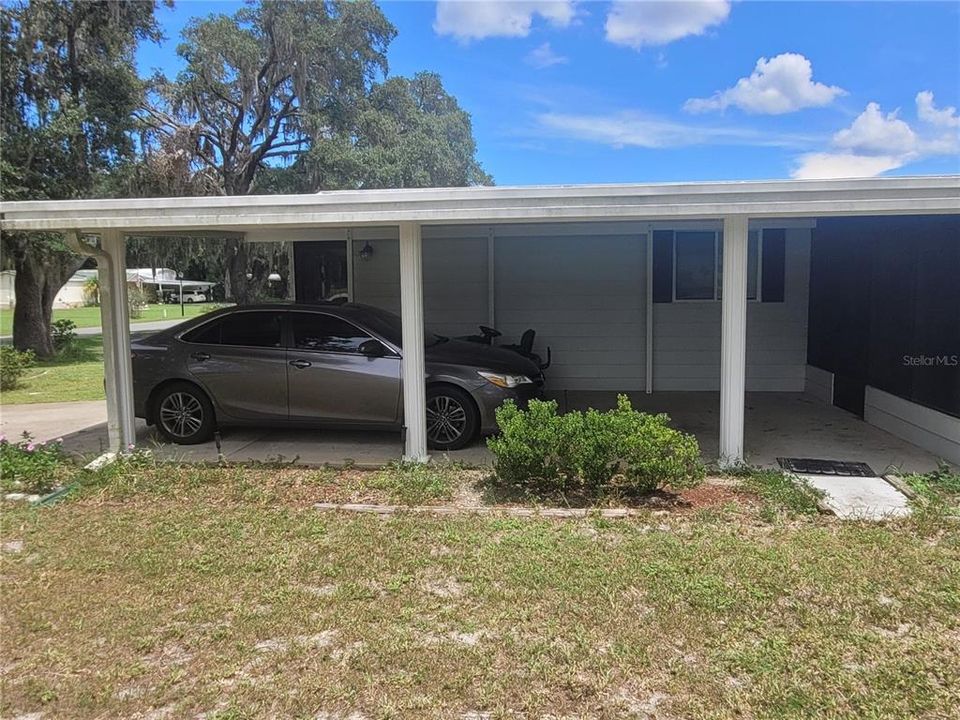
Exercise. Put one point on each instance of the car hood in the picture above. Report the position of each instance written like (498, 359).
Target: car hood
(488, 357)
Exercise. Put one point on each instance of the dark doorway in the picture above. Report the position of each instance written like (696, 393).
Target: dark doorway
(320, 270)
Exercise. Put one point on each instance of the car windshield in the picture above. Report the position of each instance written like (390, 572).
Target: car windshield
(388, 326)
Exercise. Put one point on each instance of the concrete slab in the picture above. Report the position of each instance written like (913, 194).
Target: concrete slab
(777, 425)
(48, 421)
(860, 498)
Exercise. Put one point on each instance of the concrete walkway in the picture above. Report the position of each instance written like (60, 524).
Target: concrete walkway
(49, 421)
(860, 498)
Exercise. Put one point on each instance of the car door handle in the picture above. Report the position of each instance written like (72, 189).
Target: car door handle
(301, 364)
(201, 356)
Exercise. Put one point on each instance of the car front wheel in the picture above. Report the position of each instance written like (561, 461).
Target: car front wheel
(452, 418)
(183, 414)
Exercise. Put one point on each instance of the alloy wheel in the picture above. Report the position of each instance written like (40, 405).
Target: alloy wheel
(181, 414)
(446, 419)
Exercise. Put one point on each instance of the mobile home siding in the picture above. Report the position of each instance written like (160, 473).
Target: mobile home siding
(585, 297)
(686, 344)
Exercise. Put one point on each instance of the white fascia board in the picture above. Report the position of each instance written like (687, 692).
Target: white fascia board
(708, 201)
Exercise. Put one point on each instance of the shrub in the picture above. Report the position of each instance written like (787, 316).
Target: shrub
(32, 467)
(13, 364)
(64, 334)
(590, 452)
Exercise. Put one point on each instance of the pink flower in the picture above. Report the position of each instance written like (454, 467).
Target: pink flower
(30, 447)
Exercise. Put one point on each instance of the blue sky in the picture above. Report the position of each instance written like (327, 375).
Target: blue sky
(562, 91)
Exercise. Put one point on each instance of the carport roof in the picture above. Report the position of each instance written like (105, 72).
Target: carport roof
(764, 199)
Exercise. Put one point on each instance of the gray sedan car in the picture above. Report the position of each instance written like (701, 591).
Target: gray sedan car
(317, 366)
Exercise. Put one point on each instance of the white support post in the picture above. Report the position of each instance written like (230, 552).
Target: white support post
(115, 321)
(733, 344)
(412, 367)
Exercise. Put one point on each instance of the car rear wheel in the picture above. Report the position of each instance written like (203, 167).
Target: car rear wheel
(452, 418)
(183, 414)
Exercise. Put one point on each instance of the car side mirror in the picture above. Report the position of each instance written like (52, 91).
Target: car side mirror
(372, 348)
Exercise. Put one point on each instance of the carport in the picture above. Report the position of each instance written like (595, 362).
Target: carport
(733, 207)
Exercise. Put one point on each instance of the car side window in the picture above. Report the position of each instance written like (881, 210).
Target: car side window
(208, 334)
(245, 329)
(326, 333)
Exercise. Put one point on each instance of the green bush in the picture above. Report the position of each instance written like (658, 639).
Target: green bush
(32, 467)
(13, 364)
(621, 449)
(64, 334)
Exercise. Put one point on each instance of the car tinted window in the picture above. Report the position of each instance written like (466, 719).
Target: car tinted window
(247, 329)
(317, 331)
(208, 334)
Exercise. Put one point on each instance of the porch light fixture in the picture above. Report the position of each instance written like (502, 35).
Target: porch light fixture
(366, 252)
(273, 277)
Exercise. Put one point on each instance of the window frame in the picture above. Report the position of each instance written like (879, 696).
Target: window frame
(718, 268)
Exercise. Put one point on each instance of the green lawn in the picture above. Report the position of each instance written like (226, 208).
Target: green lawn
(78, 377)
(90, 316)
(169, 592)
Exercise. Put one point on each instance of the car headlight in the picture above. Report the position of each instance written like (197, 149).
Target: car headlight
(504, 381)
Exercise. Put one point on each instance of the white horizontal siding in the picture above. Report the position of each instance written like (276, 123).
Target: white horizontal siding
(584, 295)
(686, 335)
(819, 384)
(930, 429)
(377, 281)
(454, 281)
(455, 296)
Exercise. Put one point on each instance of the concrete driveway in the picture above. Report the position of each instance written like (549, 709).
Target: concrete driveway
(48, 421)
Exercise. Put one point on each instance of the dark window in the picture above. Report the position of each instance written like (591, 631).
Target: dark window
(663, 266)
(696, 262)
(247, 329)
(325, 333)
(208, 334)
(774, 262)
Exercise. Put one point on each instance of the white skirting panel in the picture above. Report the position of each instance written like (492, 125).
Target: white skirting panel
(819, 384)
(932, 430)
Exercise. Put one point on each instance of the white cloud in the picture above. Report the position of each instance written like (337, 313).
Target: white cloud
(635, 129)
(877, 142)
(658, 22)
(543, 56)
(875, 133)
(928, 112)
(478, 19)
(779, 85)
(825, 165)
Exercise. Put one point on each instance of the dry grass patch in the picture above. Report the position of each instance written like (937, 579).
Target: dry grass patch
(223, 596)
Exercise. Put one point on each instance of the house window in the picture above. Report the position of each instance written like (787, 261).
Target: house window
(698, 265)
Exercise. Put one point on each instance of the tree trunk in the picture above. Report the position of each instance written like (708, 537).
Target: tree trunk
(40, 275)
(236, 286)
